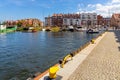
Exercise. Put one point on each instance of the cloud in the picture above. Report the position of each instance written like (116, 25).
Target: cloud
(115, 1)
(105, 9)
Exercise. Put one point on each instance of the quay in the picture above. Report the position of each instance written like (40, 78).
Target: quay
(98, 61)
(103, 63)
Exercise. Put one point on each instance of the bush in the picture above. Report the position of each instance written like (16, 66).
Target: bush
(20, 29)
(38, 28)
(55, 29)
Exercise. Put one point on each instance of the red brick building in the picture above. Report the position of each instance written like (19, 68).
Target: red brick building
(100, 20)
(58, 19)
(115, 20)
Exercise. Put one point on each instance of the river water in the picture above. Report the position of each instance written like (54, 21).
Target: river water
(23, 54)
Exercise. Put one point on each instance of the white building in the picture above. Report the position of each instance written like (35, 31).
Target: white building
(2, 28)
(85, 20)
(71, 21)
(88, 19)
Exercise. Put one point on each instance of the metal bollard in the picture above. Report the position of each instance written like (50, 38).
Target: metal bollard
(52, 72)
(92, 41)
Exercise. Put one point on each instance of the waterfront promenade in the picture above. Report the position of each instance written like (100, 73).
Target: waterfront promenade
(98, 61)
(103, 63)
(72, 65)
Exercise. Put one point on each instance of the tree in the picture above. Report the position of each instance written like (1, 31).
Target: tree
(19, 24)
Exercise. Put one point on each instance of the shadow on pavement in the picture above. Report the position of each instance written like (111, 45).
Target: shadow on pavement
(58, 78)
(117, 36)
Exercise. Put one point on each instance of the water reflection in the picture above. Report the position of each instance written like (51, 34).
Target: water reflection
(22, 54)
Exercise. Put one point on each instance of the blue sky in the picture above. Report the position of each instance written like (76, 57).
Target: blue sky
(20, 9)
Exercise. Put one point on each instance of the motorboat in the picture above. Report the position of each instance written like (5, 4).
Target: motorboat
(92, 31)
(80, 29)
(70, 28)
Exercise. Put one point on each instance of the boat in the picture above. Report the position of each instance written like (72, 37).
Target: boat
(34, 30)
(92, 31)
(43, 29)
(70, 28)
(79, 29)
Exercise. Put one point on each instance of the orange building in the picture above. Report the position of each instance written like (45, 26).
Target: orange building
(32, 22)
(115, 20)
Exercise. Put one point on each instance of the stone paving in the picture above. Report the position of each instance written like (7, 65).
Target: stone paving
(103, 63)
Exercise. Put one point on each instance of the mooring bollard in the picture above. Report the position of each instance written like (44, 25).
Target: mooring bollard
(52, 72)
(65, 59)
(92, 41)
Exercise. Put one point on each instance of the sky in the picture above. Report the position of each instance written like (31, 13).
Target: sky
(22, 9)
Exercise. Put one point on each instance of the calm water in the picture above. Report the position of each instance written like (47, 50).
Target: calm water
(22, 54)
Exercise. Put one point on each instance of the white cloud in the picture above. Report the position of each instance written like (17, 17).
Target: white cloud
(105, 9)
(115, 1)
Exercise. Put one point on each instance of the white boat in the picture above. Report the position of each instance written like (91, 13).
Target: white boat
(92, 31)
(70, 28)
(43, 29)
(80, 29)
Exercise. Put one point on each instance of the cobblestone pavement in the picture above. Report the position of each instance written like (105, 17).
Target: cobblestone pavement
(103, 63)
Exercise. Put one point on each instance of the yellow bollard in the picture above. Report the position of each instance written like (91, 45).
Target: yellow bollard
(65, 59)
(92, 41)
(52, 72)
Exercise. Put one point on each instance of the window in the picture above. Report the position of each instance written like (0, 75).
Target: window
(94, 16)
(77, 22)
(88, 16)
(71, 22)
(65, 21)
(83, 17)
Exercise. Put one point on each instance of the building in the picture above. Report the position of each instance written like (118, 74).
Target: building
(88, 19)
(2, 28)
(115, 21)
(57, 20)
(107, 21)
(76, 20)
(99, 20)
(48, 21)
(71, 20)
(32, 22)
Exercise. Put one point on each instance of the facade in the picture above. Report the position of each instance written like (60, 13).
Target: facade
(115, 21)
(29, 23)
(48, 21)
(107, 21)
(57, 20)
(71, 20)
(99, 20)
(76, 20)
(89, 19)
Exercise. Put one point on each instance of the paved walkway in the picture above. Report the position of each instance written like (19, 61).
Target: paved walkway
(103, 63)
(71, 66)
